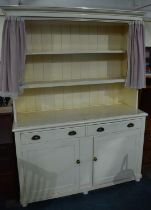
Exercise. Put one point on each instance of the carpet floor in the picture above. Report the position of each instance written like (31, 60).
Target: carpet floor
(128, 196)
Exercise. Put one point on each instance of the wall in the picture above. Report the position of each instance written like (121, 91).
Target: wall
(8, 2)
(141, 3)
(84, 3)
(75, 3)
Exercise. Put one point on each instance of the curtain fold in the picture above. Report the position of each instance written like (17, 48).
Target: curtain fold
(12, 56)
(136, 56)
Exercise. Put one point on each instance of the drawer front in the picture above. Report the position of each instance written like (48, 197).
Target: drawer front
(6, 165)
(148, 124)
(8, 185)
(48, 135)
(7, 151)
(100, 128)
(6, 135)
(7, 158)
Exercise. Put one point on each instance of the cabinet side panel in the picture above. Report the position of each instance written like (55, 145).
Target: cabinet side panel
(129, 96)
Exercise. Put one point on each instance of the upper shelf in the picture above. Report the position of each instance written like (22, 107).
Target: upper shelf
(45, 84)
(66, 52)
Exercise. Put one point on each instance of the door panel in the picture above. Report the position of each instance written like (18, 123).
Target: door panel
(116, 157)
(50, 169)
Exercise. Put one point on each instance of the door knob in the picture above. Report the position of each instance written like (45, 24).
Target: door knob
(95, 159)
(78, 161)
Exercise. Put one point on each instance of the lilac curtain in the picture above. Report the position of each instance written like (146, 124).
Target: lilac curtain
(12, 56)
(136, 56)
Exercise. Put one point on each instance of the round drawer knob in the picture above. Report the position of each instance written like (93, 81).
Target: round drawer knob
(72, 133)
(78, 161)
(101, 129)
(36, 137)
(130, 125)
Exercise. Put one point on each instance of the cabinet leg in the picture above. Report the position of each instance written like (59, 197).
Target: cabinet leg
(24, 204)
(85, 193)
(138, 178)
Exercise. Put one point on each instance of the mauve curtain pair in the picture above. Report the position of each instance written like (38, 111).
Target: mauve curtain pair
(12, 56)
(136, 56)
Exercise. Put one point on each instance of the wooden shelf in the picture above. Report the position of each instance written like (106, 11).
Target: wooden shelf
(70, 52)
(44, 119)
(7, 109)
(71, 83)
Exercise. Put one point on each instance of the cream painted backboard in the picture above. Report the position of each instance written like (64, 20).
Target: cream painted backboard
(72, 65)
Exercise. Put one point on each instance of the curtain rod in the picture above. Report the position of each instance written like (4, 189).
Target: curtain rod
(55, 17)
(73, 14)
(76, 19)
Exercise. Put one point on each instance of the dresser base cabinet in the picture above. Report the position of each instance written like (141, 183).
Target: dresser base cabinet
(102, 154)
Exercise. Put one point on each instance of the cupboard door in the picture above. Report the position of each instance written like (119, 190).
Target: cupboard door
(115, 157)
(50, 169)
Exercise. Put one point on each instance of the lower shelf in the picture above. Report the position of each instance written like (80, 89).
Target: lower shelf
(75, 82)
(43, 119)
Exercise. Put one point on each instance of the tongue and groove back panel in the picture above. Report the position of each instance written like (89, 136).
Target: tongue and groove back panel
(61, 51)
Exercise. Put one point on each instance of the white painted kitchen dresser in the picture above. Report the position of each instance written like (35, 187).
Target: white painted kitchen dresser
(77, 127)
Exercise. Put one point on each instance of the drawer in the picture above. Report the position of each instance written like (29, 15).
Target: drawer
(100, 128)
(7, 158)
(147, 158)
(6, 135)
(48, 135)
(148, 124)
(6, 165)
(7, 151)
(8, 185)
